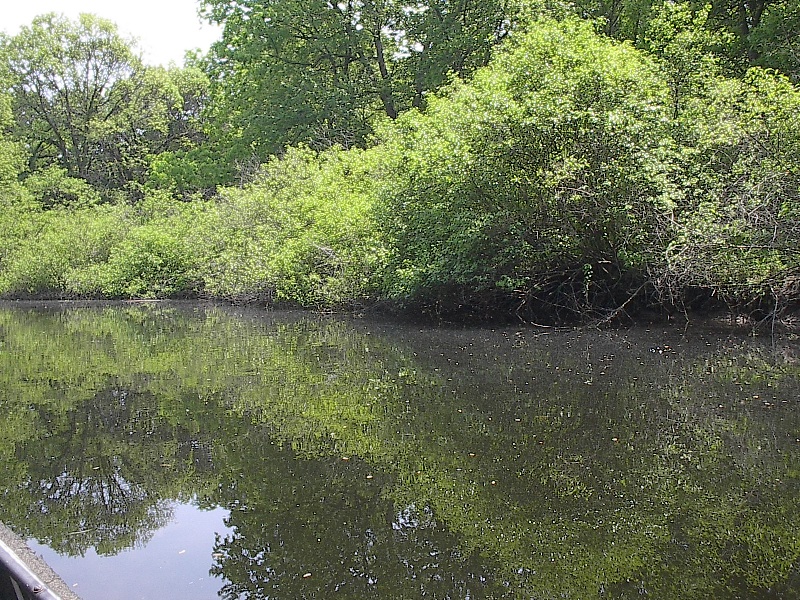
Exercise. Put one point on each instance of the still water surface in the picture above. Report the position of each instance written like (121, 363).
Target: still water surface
(197, 451)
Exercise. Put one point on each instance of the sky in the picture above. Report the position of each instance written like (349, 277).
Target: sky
(165, 29)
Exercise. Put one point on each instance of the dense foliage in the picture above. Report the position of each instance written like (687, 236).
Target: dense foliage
(316, 72)
(539, 182)
(460, 159)
(86, 108)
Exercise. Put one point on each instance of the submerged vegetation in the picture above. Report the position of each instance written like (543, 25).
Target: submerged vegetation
(500, 161)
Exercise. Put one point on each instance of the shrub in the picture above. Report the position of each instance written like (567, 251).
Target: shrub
(301, 233)
(739, 220)
(534, 185)
(53, 188)
(59, 248)
(155, 259)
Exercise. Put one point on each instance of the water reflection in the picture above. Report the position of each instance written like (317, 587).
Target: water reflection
(173, 563)
(371, 460)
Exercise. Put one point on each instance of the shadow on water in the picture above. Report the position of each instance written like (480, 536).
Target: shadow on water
(366, 459)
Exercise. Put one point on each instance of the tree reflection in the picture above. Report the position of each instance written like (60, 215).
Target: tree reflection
(90, 481)
(407, 463)
(93, 461)
(319, 527)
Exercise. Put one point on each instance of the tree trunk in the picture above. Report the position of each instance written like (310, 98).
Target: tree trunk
(385, 84)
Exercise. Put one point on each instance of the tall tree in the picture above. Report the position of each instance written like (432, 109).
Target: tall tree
(162, 114)
(747, 33)
(63, 77)
(741, 17)
(318, 72)
(86, 106)
(777, 38)
(12, 158)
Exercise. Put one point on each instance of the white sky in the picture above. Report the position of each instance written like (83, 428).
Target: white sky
(165, 29)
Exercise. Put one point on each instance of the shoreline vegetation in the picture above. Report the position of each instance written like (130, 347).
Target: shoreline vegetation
(569, 175)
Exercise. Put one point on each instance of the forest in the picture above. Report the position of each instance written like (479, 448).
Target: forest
(534, 160)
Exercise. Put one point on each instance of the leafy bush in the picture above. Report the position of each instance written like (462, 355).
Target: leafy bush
(739, 218)
(154, 259)
(534, 185)
(101, 251)
(301, 233)
(148, 263)
(53, 188)
(59, 247)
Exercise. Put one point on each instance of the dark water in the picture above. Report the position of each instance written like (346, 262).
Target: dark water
(192, 451)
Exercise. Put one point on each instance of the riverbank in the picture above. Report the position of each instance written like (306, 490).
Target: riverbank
(787, 323)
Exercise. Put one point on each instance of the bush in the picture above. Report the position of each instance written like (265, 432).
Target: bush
(58, 250)
(148, 263)
(301, 233)
(102, 251)
(155, 259)
(53, 188)
(536, 185)
(739, 219)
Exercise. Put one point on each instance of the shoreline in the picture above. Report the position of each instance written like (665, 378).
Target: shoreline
(788, 323)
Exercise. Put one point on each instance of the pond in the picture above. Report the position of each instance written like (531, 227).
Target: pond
(154, 450)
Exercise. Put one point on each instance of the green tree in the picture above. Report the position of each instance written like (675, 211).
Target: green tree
(51, 186)
(741, 18)
(84, 102)
(162, 119)
(777, 38)
(12, 156)
(63, 79)
(746, 33)
(686, 49)
(620, 19)
(185, 160)
(537, 184)
(318, 72)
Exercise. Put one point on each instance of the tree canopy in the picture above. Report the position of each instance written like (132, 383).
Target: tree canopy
(86, 106)
(319, 72)
(67, 86)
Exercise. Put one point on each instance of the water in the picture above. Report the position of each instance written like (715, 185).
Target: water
(174, 563)
(197, 451)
